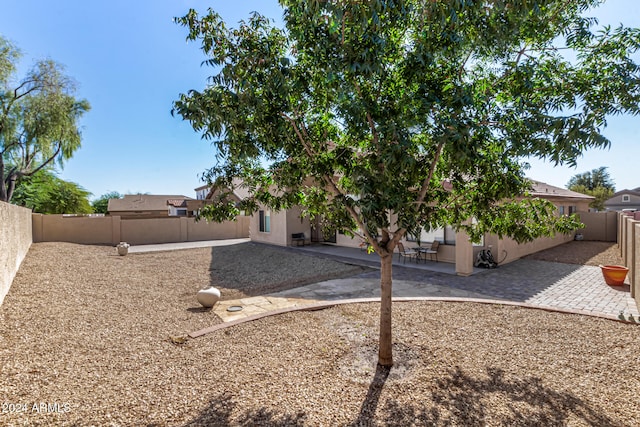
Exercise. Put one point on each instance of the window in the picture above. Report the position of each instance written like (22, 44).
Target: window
(572, 210)
(560, 210)
(265, 221)
(410, 237)
(181, 212)
(626, 198)
(427, 236)
(449, 235)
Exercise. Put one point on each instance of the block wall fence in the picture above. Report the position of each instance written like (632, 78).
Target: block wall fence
(628, 241)
(19, 227)
(110, 230)
(15, 241)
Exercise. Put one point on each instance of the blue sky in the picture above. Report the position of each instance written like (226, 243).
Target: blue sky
(131, 62)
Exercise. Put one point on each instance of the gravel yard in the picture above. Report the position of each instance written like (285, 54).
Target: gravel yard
(88, 333)
(581, 252)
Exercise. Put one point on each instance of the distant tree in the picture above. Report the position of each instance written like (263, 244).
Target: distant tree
(44, 192)
(384, 117)
(596, 183)
(101, 204)
(38, 119)
(593, 179)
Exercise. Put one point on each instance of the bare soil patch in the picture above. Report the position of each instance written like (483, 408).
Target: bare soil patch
(89, 331)
(581, 252)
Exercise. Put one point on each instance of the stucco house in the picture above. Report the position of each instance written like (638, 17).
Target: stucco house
(623, 200)
(206, 193)
(149, 206)
(202, 191)
(278, 228)
(567, 201)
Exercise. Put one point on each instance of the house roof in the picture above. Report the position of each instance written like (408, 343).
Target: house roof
(544, 190)
(146, 202)
(634, 192)
(240, 191)
(202, 187)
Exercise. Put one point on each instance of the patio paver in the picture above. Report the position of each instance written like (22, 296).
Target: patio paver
(542, 284)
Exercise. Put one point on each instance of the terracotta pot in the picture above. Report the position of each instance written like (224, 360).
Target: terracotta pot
(614, 275)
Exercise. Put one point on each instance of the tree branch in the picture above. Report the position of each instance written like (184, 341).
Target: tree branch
(301, 137)
(427, 181)
(49, 160)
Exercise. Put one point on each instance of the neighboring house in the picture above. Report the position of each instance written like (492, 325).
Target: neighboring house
(623, 200)
(149, 206)
(205, 194)
(277, 228)
(567, 201)
(202, 191)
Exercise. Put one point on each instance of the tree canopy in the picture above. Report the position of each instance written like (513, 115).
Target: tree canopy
(46, 193)
(39, 118)
(593, 179)
(596, 183)
(101, 204)
(388, 116)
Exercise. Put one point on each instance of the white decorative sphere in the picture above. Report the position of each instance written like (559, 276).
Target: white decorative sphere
(208, 297)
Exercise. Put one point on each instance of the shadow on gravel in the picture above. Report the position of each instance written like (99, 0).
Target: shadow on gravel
(461, 398)
(253, 269)
(220, 412)
(370, 404)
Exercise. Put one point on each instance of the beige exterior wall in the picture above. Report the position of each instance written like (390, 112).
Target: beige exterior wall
(507, 250)
(278, 233)
(109, 230)
(347, 241)
(295, 224)
(463, 253)
(283, 225)
(16, 238)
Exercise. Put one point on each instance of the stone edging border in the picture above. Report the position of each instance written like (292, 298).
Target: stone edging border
(328, 304)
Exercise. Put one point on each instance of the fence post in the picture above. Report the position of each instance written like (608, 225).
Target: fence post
(634, 266)
(36, 227)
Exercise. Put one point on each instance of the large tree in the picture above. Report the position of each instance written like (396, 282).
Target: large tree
(39, 118)
(596, 183)
(46, 193)
(383, 117)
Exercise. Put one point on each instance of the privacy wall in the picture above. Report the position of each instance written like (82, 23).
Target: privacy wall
(15, 240)
(110, 230)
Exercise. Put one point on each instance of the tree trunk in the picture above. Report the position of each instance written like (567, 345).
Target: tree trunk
(385, 350)
(10, 188)
(3, 187)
